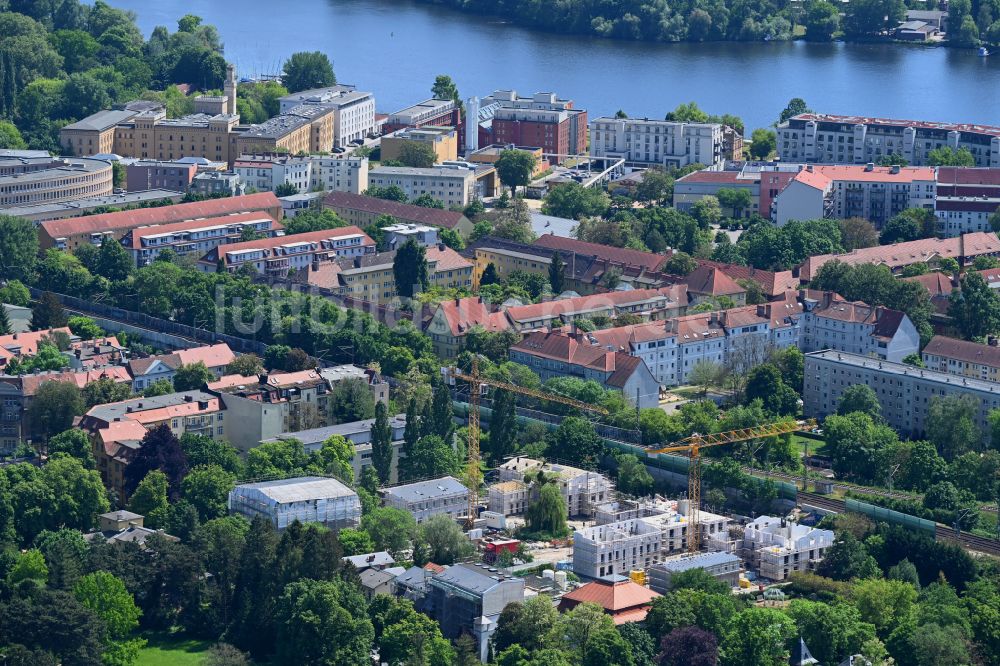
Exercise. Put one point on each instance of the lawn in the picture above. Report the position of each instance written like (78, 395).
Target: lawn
(165, 649)
(816, 447)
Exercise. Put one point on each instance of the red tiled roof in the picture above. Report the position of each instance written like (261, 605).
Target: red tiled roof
(231, 381)
(130, 219)
(812, 179)
(624, 597)
(967, 176)
(569, 350)
(461, 314)
(676, 295)
(903, 254)
(935, 282)
(406, 212)
(773, 283)
(31, 383)
(240, 218)
(446, 259)
(881, 174)
(28, 340)
(962, 350)
(712, 281)
(213, 356)
(280, 379)
(627, 256)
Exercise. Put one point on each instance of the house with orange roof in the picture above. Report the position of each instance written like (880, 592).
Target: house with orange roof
(774, 284)
(196, 237)
(453, 319)
(280, 254)
(71, 233)
(662, 303)
(709, 283)
(553, 354)
(116, 429)
(147, 370)
(620, 597)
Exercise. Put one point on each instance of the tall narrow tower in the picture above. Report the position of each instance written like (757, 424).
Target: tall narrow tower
(230, 88)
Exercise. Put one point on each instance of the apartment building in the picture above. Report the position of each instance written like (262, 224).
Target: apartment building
(963, 358)
(359, 434)
(543, 120)
(95, 134)
(307, 499)
(436, 112)
(695, 186)
(774, 547)
(638, 543)
(454, 186)
(710, 284)
(826, 138)
(453, 319)
(309, 173)
(869, 192)
(148, 370)
(353, 110)
(964, 249)
(556, 355)
(363, 211)
(278, 255)
(197, 237)
(71, 233)
(721, 566)
(966, 198)
(662, 303)
(442, 140)
(903, 391)
(468, 598)
(117, 429)
(425, 499)
(582, 490)
(774, 284)
(370, 277)
(28, 181)
(644, 142)
(304, 128)
(831, 322)
(152, 174)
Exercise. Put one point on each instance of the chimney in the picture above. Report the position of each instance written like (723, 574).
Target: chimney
(203, 404)
(993, 341)
(809, 168)
(895, 169)
(870, 166)
(315, 263)
(827, 298)
(357, 262)
(189, 398)
(441, 246)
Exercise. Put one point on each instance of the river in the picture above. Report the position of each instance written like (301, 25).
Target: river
(396, 47)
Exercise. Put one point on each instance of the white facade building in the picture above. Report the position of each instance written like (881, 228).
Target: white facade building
(638, 543)
(582, 489)
(425, 499)
(775, 548)
(315, 172)
(455, 186)
(308, 499)
(354, 110)
(641, 141)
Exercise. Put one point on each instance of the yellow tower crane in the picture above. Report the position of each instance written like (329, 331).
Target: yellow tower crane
(692, 446)
(476, 383)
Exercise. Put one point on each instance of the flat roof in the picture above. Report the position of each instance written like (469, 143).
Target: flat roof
(101, 120)
(427, 490)
(300, 489)
(317, 435)
(697, 561)
(898, 369)
(57, 166)
(417, 171)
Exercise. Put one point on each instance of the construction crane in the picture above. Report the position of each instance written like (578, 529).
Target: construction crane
(476, 384)
(692, 446)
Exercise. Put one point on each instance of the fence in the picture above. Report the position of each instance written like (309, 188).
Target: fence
(155, 324)
(893, 517)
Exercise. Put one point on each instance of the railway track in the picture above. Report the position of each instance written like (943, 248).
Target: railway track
(942, 533)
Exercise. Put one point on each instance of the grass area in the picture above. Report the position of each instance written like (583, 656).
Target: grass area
(815, 446)
(167, 649)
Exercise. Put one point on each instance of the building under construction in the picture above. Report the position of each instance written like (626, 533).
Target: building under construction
(638, 543)
(583, 490)
(775, 547)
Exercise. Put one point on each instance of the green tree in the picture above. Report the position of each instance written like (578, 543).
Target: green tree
(575, 439)
(47, 313)
(445, 88)
(859, 398)
(975, 308)
(503, 426)
(10, 137)
(608, 648)
(389, 193)
(872, 17)
(581, 625)
(415, 639)
(75, 443)
(557, 273)
(30, 565)
(446, 542)
(680, 263)
(689, 646)
(5, 325)
(323, 623)
(734, 200)
(409, 269)
(418, 154)
(857, 233)
(656, 187)
(306, 70)
(546, 515)
(515, 167)
(106, 595)
(391, 529)
(352, 400)
(900, 229)
(574, 201)
(758, 636)
(822, 21)
(528, 624)
(948, 156)
(247, 365)
(85, 328)
(207, 489)
(834, 632)
(54, 407)
(113, 261)
(886, 604)
(855, 442)
(150, 499)
(847, 559)
(105, 390)
(951, 425)
(764, 383)
(15, 293)
(192, 377)
(633, 477)
(430, 457)
(159, 387)
(381, 437)
(763, 142)
(706, 211)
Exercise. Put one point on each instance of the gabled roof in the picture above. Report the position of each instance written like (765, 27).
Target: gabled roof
(135, 237)
(130, 219)
(433, 216)
(213, 356)
(713, 282)
(774, 283)
(461, 314)
(569, 350)
(27, 342)
(647, 260)
(935, 282)
(963, 350)
(31, 383)
(316, 237)
(672, 296)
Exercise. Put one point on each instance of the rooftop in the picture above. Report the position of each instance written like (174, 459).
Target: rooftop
(317, 435)
(285, 123)
(698, 561)
(917, 124)
(435, 172)
(615, 595)
(648, 260)
(148, 410)
(300, 489)
(901, 369)
(41, 212)
(477, 579)
(963, 350)
(447, 486)
(435, 217)
(101, 120)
